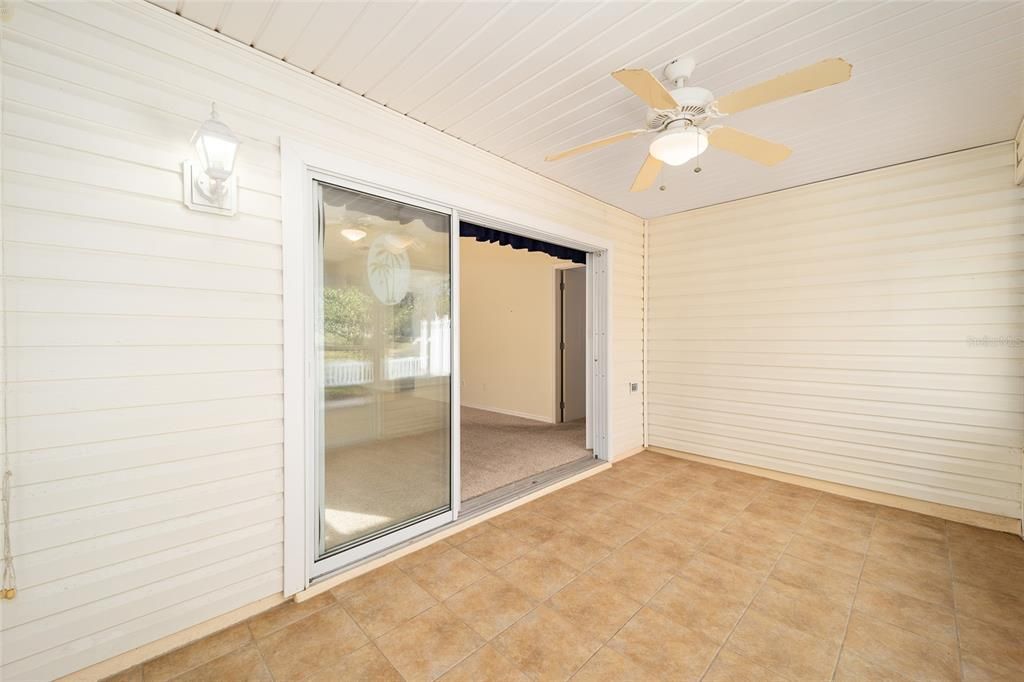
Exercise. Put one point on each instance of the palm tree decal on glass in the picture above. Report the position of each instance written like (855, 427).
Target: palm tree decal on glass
(388, 271)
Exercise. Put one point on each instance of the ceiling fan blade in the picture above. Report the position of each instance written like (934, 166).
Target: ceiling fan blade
(647, 175)
(596, 144)
(750, 146)
(820, 75)
(645, 86)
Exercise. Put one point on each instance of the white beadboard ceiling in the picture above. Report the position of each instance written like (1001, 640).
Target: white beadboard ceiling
(522, 79)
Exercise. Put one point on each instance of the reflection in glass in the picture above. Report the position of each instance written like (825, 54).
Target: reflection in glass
(386, 350)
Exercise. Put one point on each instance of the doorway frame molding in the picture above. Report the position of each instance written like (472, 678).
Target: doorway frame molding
(300, 162)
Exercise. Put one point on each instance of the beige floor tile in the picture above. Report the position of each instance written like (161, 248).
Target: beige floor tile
(826, 554)
(730, 666)
(579, 551)
(919, 555)
(468, 534)
(712, 613)
(430, 551)
(545, 645)
(786, 651)
(821, 529)
(978, 669)
(494, 548)
(429, 645)
(194, 655)
(633, 577)
(803, 609)
(911, 533)
(989, 572)
(681, 529)
(832, 584)
(895, 608)
(386, 602)
(533, 529)
(537, 575)
(853, 668)
(923, 585)
(366, 664)
(605, 529)
(486, 664)
(241, 665)
(490, 605)
(998, 608)
(594, 606)
(749, 527)
(757, 556)
(900, 651)
(663, 647)
(670, 555)
(979, 542)
(714, 574)
(276, 618)
(608, 665)
(775, 510)
(632, 512)
(706, 508)
(314, 642)
(445, 574)
(993, 644)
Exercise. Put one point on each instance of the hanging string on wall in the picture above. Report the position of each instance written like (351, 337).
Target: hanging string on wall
(9, 578)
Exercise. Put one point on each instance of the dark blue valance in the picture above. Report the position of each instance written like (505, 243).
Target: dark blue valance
(486, 234)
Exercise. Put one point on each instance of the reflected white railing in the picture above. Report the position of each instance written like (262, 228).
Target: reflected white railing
(434, 358)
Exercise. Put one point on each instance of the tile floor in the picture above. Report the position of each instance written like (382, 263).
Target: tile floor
(655, 569)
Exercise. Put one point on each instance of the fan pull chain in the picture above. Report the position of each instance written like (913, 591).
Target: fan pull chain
(10, 579)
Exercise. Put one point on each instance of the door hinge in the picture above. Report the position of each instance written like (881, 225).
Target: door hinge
(561, 345)
(561, 285)
(562, 406)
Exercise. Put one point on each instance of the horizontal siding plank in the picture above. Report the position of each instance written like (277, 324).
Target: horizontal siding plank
(87, 459)
(54, 530)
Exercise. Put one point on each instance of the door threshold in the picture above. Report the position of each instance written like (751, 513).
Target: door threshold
(513, 491)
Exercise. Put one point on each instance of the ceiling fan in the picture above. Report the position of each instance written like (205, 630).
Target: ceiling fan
(683, 117)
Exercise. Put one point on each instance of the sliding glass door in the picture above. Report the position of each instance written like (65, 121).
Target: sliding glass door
(384, 344)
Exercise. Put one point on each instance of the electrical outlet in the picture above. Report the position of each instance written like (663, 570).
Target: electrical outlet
(634, 387)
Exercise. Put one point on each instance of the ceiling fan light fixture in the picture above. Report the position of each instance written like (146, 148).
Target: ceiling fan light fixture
(353, 234)
(676, 147)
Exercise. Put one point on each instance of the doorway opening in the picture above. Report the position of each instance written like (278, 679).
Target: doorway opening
(523, 336)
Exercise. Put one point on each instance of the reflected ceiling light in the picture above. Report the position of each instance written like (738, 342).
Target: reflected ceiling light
(353, 234)
(676, 147)
(398, 242)
(212, 186)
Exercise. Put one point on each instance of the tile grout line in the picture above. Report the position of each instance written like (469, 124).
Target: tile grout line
(956, 611)
(760, 587)
(849, 616)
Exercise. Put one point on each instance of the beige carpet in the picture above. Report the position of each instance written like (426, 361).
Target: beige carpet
(371, 486)
(498, 449)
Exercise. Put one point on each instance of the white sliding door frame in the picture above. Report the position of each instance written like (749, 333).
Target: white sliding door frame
(300, 164)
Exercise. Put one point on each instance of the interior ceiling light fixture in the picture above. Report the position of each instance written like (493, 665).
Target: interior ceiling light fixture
(353, 234)
(685, 118)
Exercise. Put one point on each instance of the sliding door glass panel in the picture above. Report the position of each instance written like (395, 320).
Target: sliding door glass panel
(385, 347)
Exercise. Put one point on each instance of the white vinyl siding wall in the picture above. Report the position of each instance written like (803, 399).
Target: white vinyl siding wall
(826, 331)
(144, 341)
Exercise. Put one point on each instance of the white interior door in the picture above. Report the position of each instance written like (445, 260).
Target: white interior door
(573, 326)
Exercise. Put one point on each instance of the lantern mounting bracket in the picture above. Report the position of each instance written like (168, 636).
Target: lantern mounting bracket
(202, 193)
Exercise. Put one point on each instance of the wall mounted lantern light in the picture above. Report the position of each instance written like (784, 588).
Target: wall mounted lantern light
(210, 184)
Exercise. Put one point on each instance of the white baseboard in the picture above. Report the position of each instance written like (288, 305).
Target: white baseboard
(942, 511)
(512, 413)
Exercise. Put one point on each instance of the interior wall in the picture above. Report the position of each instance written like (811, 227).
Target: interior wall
(507, 301)
(144, 340)
(864, 330)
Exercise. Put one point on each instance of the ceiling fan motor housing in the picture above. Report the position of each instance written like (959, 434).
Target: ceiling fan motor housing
(694, 106)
